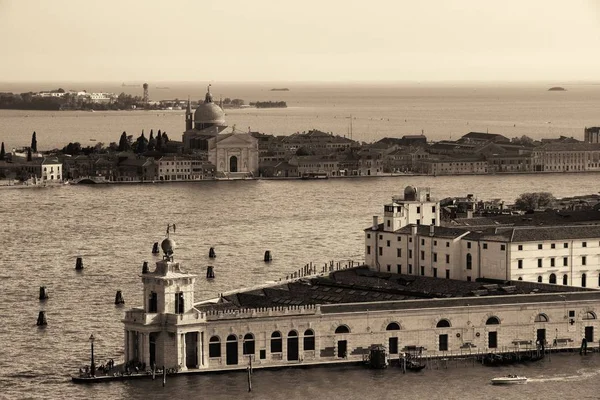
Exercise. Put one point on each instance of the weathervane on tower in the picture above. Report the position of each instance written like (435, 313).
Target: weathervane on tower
(169, 226)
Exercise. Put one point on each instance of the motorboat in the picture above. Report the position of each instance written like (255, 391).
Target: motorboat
(509, 380)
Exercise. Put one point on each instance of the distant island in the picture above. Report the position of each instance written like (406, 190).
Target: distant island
(269, 104)
(557, 89)
(280, 90)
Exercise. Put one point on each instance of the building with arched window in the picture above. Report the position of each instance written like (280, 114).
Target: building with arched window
(336, 317)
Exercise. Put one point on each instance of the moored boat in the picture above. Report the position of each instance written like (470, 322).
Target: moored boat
(509, 380)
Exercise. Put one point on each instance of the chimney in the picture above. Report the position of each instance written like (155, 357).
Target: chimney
(431, 230)
(375, 222)
(413, 229)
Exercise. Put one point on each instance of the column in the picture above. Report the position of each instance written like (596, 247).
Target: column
(199, 349)
(126, 343)
(146, 349)
(204, 350)
(182, 361)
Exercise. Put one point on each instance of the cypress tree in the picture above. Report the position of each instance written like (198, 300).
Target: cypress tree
(159, 142)
(123, 145)
(29, 154)
(34, 142)
(2, 153)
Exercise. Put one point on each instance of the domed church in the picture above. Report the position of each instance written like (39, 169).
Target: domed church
(235, 155)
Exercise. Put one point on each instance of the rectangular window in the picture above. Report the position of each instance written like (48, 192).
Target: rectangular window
(179, 304)
(418, 210)
(583, 260)
(566, 245)
(520, 247)
(435, 272)
(409, 240)
(539, 263)
(398, 252)
(540, 247)
(552, 262)
(381, 251)
(389, 268)
(388, 243)
(399, 238)
(433, 221)
(418, 222)
(409, 253)
(380, 237)
(571, 313)
(422, 255)
(565, 261)
(368, 236)
(368, 249)
(485, 246)
(434, 257)
(468, 245)
(520, 262)
(447, 258)
(583, 244)
(468, 279)
(553, 246)
(502, 247)
(399, 266)
(447, 244)
(410, 269)
(388, 223)
(435, 242)
(422, 271)
(422, 242)
(447, 274)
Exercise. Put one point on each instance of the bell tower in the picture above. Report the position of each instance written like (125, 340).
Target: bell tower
(189, 116)
(168, 289)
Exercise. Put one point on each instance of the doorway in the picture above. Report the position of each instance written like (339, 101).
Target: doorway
(541, 337)
(233, 164)
(342, 348)
(393, 345)
(443, 342)
(589, 334)
(292, 346)
(492, 340)
(191, 350)
(231, 349)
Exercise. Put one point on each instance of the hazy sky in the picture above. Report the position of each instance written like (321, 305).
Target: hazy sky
(302, 40)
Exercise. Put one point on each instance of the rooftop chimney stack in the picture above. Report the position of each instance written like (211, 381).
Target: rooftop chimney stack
(431, 230)
(375, 222)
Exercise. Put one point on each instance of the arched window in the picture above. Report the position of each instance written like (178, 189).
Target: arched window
(541, 318)
(492, 321)
(248, 345)
(540, 279)
(589, 315)
(309, 340)
(232, 338)
(469, 261)
(292, 333)
(565, 279)
(443, 323)
(342, 329)
(552, 278)
(583, 280)
(276, 344)
(214, 347)
(393, 326)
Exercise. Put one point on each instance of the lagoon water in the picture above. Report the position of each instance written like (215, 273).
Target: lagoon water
(113, 228)
(441, 111)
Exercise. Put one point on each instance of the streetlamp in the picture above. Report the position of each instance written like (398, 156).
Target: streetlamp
(92, 365)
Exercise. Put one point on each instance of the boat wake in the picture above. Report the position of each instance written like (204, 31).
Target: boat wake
(580, 375)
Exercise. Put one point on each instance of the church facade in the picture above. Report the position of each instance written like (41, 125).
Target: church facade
(235, 155)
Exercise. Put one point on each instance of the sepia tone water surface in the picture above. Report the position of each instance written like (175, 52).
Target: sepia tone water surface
(113, 228)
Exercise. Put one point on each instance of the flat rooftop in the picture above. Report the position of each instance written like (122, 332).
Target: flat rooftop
(361, 285)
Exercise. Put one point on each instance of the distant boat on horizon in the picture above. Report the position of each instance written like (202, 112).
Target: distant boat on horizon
(280, 90)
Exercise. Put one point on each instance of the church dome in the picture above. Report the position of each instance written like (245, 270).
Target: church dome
(208, 112)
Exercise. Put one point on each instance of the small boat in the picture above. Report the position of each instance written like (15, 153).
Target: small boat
(509, 380)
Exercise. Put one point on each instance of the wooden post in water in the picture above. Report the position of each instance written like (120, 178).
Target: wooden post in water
(249, 380)
(164, 376)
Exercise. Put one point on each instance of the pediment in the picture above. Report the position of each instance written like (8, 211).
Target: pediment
(236, 139)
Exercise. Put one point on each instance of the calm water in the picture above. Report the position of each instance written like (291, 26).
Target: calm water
(113, 228)
(442, 112)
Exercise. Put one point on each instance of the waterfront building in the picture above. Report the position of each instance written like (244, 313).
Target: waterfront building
(567, 157)
(335, 316)
(483, 248)
(481, 138)
(51, 170)
(316, 165)
(182, 168)
(454, 166)
(591, 134)
(135, 169)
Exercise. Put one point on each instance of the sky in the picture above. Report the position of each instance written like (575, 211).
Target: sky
(302, 40)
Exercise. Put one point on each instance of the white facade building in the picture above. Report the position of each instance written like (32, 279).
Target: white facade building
(51, 170)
